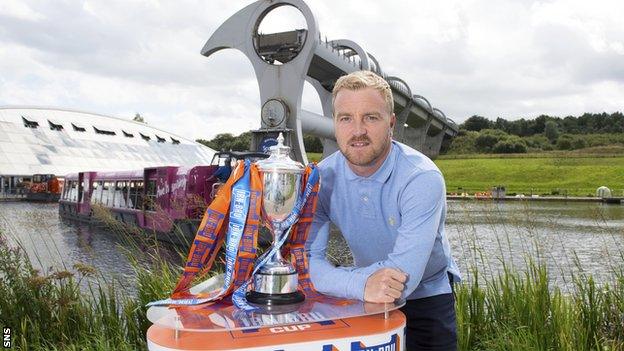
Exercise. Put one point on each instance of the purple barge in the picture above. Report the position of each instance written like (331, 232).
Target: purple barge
(169, 201)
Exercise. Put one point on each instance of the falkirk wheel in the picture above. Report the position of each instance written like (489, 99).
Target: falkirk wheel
(283, 61)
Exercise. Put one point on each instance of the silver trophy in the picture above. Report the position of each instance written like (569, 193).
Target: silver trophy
(275, 283)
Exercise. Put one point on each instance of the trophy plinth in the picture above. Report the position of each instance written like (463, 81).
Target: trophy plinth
(275, 283)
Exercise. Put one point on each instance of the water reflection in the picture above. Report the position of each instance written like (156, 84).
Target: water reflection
(569, 238)
(53, 243)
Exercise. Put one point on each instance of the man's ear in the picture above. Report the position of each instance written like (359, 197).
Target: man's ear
(392, 121)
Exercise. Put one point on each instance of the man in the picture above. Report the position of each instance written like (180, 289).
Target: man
(388, 200)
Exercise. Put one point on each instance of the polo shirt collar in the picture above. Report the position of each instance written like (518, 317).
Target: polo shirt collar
(380, 175)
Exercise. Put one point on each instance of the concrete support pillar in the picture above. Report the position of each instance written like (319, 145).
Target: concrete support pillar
(329, 145)
(414, 137)
(401, 118)
(432, 145)
(1, 185)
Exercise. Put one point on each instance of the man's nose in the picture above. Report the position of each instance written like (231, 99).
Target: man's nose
(359, 128)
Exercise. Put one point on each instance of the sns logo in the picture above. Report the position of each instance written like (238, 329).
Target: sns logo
(289, 328)
(6, 338)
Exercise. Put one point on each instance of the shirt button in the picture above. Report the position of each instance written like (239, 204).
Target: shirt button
(365, 198)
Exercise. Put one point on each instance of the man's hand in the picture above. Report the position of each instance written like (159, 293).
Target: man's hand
(385, 285)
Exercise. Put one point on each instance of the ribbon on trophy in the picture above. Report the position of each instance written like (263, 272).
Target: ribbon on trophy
(310, 192)
(238, 228)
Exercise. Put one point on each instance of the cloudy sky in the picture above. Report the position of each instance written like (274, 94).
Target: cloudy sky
(506, 58)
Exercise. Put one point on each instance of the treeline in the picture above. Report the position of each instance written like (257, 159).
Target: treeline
(481, 135)
(544, 133)
(242, 142)
(588, 123)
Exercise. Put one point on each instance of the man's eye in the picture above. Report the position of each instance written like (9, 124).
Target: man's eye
(344, 119)
(372, 117)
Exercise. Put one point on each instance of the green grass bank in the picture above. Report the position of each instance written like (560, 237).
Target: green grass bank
(543, 173)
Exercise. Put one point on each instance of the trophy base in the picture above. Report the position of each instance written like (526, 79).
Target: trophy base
(259, 298)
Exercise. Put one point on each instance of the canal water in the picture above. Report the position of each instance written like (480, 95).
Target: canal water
(570, 238)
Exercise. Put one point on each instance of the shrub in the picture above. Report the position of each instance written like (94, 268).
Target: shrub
(512, 145)
(564, 142)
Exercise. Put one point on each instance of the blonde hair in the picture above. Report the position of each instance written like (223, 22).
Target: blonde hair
(365, 79)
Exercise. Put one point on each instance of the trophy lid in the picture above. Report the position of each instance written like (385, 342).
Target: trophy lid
(279, 159)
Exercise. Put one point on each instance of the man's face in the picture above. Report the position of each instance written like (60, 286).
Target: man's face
(363, 127)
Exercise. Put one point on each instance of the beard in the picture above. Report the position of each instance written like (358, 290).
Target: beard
(366, 155)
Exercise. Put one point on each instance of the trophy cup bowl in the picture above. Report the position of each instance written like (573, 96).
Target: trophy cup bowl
(276, 282)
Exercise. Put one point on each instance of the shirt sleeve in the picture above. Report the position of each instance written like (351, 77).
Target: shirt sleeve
(346, 282)
(422, 209)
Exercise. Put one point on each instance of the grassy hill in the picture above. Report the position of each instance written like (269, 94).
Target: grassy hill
(573, 173)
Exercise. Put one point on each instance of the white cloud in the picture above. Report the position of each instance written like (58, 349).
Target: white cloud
(507, 58)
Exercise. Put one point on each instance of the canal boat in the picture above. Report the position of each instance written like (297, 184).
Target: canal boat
(168, 201)
(44, 188)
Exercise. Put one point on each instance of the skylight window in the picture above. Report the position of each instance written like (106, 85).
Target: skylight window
(127, 134)
(104, 131)
(145, 137)
(55, 126)
(30, 123)
(160, 140)
(175, 141)
(78, 128)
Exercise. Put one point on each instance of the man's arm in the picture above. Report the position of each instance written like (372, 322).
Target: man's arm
(347, 282)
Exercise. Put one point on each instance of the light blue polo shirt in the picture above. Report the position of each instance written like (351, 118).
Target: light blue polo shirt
(393, 218)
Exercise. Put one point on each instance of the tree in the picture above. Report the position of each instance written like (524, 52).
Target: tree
(312, 143)
(511, 145)
(241, 142)
(476, 123)
(564, 142)
(488, 138)
(139, 118)
(228, 142)
(551, 131)
(221, 142)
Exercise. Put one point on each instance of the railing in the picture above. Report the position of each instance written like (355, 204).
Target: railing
(537, 191)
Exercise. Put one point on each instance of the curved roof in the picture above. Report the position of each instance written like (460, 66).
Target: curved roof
(60, 141)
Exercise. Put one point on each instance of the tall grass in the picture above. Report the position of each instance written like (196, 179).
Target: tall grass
(508, 307)
(75, 308)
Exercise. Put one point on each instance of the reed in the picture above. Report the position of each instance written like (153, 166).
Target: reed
(501, 304)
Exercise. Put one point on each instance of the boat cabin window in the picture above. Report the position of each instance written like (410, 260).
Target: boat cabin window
(107, 194)
(120, 198)
(150, 195)
(135, 197)
(64, 192)
(81, 191)
(73, 191)
(97, 192)
(67, 190)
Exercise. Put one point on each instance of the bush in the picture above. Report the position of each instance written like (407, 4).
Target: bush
(564, 142)
(488, 138)
(464, 143)
(512, 145)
